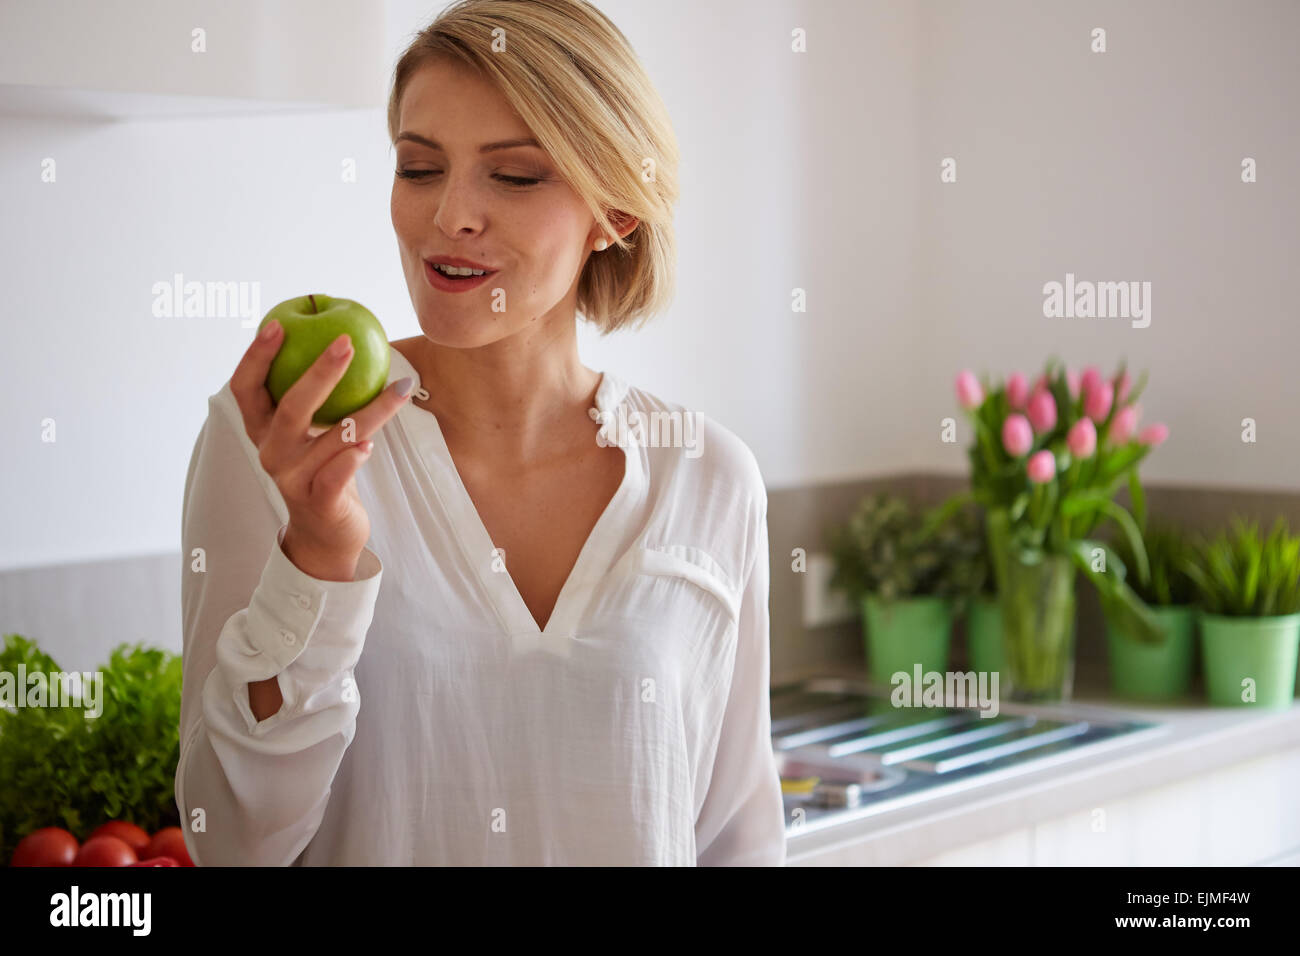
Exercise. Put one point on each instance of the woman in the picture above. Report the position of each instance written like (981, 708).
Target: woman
(567, 662)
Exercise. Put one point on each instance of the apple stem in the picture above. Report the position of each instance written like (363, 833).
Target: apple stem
(313, 304)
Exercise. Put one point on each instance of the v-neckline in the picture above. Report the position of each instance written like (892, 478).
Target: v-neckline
(598, 552)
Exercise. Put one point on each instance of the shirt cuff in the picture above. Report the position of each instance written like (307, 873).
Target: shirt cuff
(294, 617)
(290, 606)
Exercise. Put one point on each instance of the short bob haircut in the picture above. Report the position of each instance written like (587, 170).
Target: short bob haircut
(573, 78)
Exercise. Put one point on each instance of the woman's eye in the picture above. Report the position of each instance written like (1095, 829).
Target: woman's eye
(522, 181)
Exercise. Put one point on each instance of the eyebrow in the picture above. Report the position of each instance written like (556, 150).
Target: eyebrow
(485, 148)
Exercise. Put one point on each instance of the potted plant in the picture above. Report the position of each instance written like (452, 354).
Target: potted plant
(1045, 464)
(1162, 671)
(909, 571)
(1249, 611)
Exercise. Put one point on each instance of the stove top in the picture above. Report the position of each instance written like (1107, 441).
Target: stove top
(845, 751)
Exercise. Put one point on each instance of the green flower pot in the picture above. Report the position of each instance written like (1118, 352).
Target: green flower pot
(902, 633)
(1038, 627)
(1259, 649)
(1155, 671)
(984, 635)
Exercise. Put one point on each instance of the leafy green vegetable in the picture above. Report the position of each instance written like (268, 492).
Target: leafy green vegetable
(62, 768)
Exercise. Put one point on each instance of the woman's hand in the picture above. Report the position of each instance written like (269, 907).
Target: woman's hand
(313, 466)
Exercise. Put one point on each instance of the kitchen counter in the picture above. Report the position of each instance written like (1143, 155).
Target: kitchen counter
(1096, 792)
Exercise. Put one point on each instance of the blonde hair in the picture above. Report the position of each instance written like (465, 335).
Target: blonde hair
(575, 81)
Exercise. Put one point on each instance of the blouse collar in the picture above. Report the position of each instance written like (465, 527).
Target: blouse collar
(610, 393)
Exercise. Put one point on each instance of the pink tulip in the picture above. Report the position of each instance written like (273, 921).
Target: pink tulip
(1040, 384)
(1124, 424)
(1096, 401)
(1072, 382)
(1091, 379)
(1017, 391)
(1042, 467)
(1154, 434)
(969, 393)
(1125, 383)
(1017, 436)
(1082, 438)
(1042, 411)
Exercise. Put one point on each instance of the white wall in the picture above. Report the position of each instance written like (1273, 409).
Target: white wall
(1120, 166)
(817, 171)
(259, 199)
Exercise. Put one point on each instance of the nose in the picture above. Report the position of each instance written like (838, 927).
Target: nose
(460, 208)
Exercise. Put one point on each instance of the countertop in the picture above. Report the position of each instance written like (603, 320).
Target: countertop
(1194, 738)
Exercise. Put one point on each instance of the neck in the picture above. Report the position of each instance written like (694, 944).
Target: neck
(519, 399)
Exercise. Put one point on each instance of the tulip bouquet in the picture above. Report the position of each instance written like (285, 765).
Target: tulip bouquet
(1046, 462)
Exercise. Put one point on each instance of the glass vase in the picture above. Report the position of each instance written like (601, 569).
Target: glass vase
(1036, 596)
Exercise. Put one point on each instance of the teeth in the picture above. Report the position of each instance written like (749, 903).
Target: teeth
(458, 271)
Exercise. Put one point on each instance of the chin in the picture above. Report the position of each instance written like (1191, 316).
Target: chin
(454, 333)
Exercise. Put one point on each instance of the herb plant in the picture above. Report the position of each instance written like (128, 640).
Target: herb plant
(1238, 573)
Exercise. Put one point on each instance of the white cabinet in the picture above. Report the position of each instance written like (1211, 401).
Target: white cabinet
(130, 59)
(1239, 815)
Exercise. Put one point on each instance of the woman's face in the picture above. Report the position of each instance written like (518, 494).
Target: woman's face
(505, 208)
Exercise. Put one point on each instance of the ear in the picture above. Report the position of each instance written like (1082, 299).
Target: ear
(622, 223)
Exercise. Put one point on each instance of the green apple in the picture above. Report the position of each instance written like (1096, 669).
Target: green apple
(311, 323)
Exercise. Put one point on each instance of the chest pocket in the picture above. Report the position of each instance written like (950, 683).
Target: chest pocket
(693, 564)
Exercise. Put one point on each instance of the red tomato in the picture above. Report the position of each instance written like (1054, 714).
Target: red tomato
(169, 841)
(137, 838)
(156, 861)
(105, 851)
(50, 846)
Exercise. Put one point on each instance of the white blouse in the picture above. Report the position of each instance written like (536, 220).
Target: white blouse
(429, 721)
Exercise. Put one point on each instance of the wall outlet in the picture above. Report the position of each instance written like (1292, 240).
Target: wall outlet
(821, 605)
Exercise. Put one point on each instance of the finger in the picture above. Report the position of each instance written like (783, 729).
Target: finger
(293, 416)
(248, 382)
(366, 422)
(332, 478)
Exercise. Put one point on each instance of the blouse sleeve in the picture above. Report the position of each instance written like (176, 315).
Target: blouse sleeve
(254, 792)
(742, 821)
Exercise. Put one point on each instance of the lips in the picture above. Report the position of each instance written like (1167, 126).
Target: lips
(446, 283)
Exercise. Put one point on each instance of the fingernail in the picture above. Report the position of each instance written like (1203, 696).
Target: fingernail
(272, 327)
(340, 346)
(403, 386)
